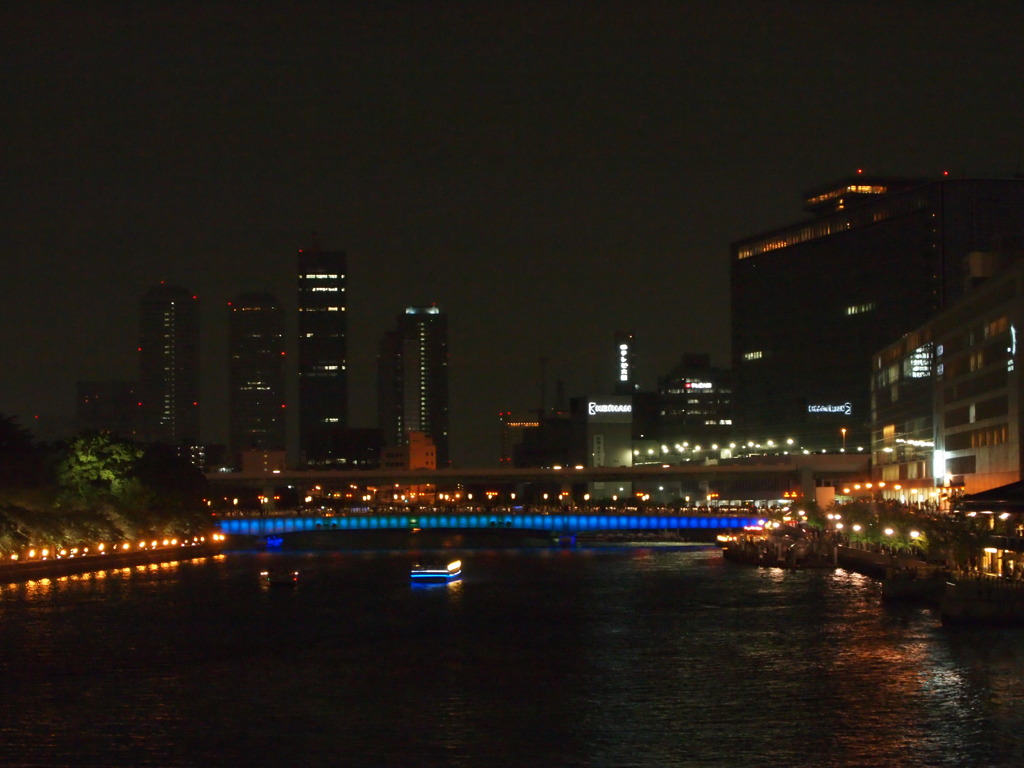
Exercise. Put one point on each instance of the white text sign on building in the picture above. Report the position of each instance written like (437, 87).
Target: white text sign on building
(610, 411)
(844, 408)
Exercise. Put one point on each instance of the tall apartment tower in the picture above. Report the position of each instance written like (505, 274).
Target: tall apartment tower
(812, 302)
(256, 373)
(323, 355)
(169, 365)
(412, 380)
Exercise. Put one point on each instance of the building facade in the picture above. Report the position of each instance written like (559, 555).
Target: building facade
(169, 366)
(695, 410)
(513, 428)
(946, 397)
(418, 452)
(323, 354)
(813, 302)
(412, 380)
(256, 374)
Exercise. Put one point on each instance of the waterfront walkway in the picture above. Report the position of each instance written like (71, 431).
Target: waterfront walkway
(53, 567)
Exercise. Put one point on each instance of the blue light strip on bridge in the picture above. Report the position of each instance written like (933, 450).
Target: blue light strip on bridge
(262, 526)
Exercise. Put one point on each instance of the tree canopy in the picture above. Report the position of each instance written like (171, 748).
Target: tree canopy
(95, 466)
(22, 463)
(93, 486)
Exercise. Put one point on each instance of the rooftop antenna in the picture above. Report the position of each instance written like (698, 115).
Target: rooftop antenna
(560, 396)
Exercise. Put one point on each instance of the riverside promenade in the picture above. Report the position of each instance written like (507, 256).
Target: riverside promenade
(54, 567)
(964, 598)
(802, 548)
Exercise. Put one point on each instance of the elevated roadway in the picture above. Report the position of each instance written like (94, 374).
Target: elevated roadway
(770, 474)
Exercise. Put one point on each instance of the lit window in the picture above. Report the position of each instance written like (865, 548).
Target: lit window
(859, 309)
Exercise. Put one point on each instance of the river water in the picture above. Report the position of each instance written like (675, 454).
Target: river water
(605, 656)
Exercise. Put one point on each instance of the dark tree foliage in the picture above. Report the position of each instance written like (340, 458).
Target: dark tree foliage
(176, 487)
(22, 462)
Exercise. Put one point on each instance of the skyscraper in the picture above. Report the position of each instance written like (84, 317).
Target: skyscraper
(323, 375)
(412, 376)
(812, 302)
(169, 365)
(256, 376)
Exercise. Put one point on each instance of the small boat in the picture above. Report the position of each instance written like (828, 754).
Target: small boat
(434, 574)
(280, 577)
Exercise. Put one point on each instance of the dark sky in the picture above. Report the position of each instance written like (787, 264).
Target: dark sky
(547, 173)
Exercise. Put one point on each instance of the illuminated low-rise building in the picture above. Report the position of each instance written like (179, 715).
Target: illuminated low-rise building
(947, 416)
(416, 452)
(513, 428)
(605, 425)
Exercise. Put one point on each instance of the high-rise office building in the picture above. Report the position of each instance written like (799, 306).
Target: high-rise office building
(323, 355)
(695, 409)
(412, 376)
(812, 302)
(169, 365)
(256, 373)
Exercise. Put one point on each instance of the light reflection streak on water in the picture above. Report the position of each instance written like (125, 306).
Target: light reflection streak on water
(625, 660)
(45, 586)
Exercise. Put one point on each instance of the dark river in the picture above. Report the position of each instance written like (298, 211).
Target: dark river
(611, 656)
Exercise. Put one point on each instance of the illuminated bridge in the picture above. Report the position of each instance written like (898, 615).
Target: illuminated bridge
(556, 523)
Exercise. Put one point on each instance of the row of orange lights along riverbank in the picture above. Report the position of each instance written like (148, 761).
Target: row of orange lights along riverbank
(45, 553)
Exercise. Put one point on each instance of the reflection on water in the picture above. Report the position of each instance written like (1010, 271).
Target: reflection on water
(632, 656)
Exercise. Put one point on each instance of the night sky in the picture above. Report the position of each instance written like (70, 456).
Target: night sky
(547, 173)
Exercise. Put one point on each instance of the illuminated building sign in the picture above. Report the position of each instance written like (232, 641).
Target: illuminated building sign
(699, 385)
(610, 411)
(623, 362)
(843, 408)
(596, 408)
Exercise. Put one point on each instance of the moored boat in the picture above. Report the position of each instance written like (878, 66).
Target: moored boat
(280, 577)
